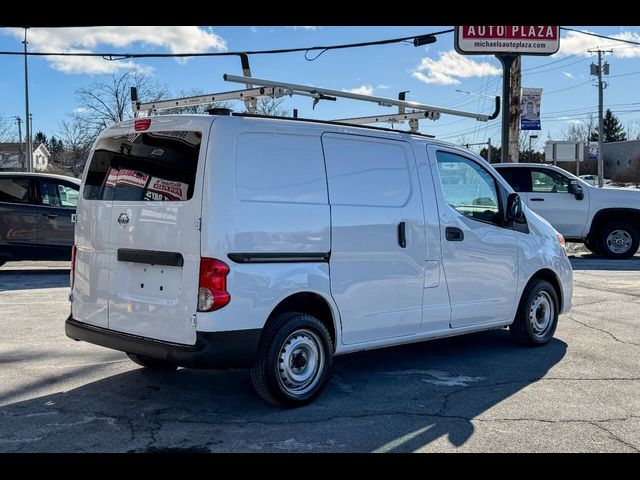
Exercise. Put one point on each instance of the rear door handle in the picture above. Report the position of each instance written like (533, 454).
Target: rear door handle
(537, 199)
(402, 235)
(50, 215)
(454, 234)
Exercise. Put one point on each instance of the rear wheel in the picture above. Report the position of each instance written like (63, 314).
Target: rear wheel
(537, 315)
(294, 360)
(618, 240)
(151, 363)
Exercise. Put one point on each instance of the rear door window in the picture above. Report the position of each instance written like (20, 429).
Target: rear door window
(15, 190)
(145, 167)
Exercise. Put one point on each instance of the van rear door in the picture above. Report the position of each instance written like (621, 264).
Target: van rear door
(152, 181)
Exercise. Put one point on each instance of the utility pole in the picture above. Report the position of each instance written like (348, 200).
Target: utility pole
(510, 77)
(598, 70)
(19, 122)
(514, 105)
(29, 152)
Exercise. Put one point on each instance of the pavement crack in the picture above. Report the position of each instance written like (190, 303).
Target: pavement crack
(596, 423)
(602, 330)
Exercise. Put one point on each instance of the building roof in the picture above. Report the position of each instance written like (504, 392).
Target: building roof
(15, 147)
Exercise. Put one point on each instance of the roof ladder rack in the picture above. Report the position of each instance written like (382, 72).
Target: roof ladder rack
(257, 88)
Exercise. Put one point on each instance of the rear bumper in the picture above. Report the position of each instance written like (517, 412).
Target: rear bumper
(233, 349)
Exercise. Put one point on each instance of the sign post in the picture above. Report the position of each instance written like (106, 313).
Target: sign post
(506, 43)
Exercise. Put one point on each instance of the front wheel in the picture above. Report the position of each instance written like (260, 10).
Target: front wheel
(618, 240)
(537, 316)
(293, 361)
(151, 363)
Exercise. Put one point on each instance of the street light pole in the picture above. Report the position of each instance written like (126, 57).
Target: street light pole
(29, 152)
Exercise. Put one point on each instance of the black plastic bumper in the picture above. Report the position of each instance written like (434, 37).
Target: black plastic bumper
(233, 349)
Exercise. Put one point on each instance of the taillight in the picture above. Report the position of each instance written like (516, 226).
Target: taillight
(142, 124)
(72, 274)
(212, 288)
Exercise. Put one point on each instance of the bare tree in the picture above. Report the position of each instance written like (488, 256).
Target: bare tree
(77, 137)
(105, 103)
(8, 130)
(272, 107)
(579, 131)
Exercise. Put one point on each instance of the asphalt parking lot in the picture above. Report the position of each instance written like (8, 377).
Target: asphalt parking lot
(580, 393)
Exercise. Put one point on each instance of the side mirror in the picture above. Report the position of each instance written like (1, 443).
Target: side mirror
(576, 190)
(514, 211)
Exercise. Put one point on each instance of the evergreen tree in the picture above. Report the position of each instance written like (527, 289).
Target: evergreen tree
(39, 138)
(612, 128)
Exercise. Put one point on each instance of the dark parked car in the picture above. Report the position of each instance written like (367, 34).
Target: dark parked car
(35, 216)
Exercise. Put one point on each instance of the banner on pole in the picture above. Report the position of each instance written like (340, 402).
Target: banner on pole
(593, 150)
(530, 109)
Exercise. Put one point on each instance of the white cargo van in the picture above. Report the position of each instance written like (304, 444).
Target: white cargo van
(219, 241)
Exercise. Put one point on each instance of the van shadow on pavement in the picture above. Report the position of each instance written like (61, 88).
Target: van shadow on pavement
(33, 279)
(397, 399)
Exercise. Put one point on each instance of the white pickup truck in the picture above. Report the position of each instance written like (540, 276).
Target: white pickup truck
(606, 220)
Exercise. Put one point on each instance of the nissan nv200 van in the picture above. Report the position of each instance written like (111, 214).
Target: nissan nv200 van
(225, 241)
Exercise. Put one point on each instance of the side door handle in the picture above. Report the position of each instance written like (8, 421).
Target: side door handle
(537, 199)
(402, 235)
(454, 234)
(50, 215)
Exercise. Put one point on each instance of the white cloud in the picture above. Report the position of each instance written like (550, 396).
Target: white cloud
(451, 66)
(383, 87)
(361, 90)
(181, 39)
(304, 28)
(569, 75)
(79, 110)
(574, 43)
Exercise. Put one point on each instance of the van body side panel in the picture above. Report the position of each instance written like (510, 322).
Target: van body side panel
(436, 308)
(376, 281)
(265, 204)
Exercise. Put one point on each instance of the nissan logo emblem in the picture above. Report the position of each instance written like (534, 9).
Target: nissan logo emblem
(123, 220)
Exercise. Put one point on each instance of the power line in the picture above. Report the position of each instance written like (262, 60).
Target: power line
(599, 36)
(122, 56)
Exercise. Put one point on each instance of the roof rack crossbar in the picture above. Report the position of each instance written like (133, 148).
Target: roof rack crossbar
(296, 89)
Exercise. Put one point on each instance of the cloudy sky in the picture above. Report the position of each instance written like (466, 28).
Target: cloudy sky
(432, 73)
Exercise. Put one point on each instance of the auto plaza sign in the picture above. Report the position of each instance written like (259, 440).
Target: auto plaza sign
(495, 40)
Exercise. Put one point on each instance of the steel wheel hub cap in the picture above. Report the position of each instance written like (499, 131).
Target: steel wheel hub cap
(619, 241)
(541, 314)
(300, 362)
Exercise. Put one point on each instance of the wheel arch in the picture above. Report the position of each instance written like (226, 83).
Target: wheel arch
(606, 215)
(312, 303)
(551, 277)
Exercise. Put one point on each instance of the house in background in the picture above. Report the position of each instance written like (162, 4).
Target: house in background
(12, 157)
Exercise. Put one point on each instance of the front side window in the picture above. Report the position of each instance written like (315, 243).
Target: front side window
(548, 182)
(14, 190)
(468, 188)
(153, 166)
(54, 194)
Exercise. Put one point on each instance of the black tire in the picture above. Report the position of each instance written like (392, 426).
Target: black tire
(267, 375)
(613, 232)
(537, 296)
(591, 246)
(151, 363)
